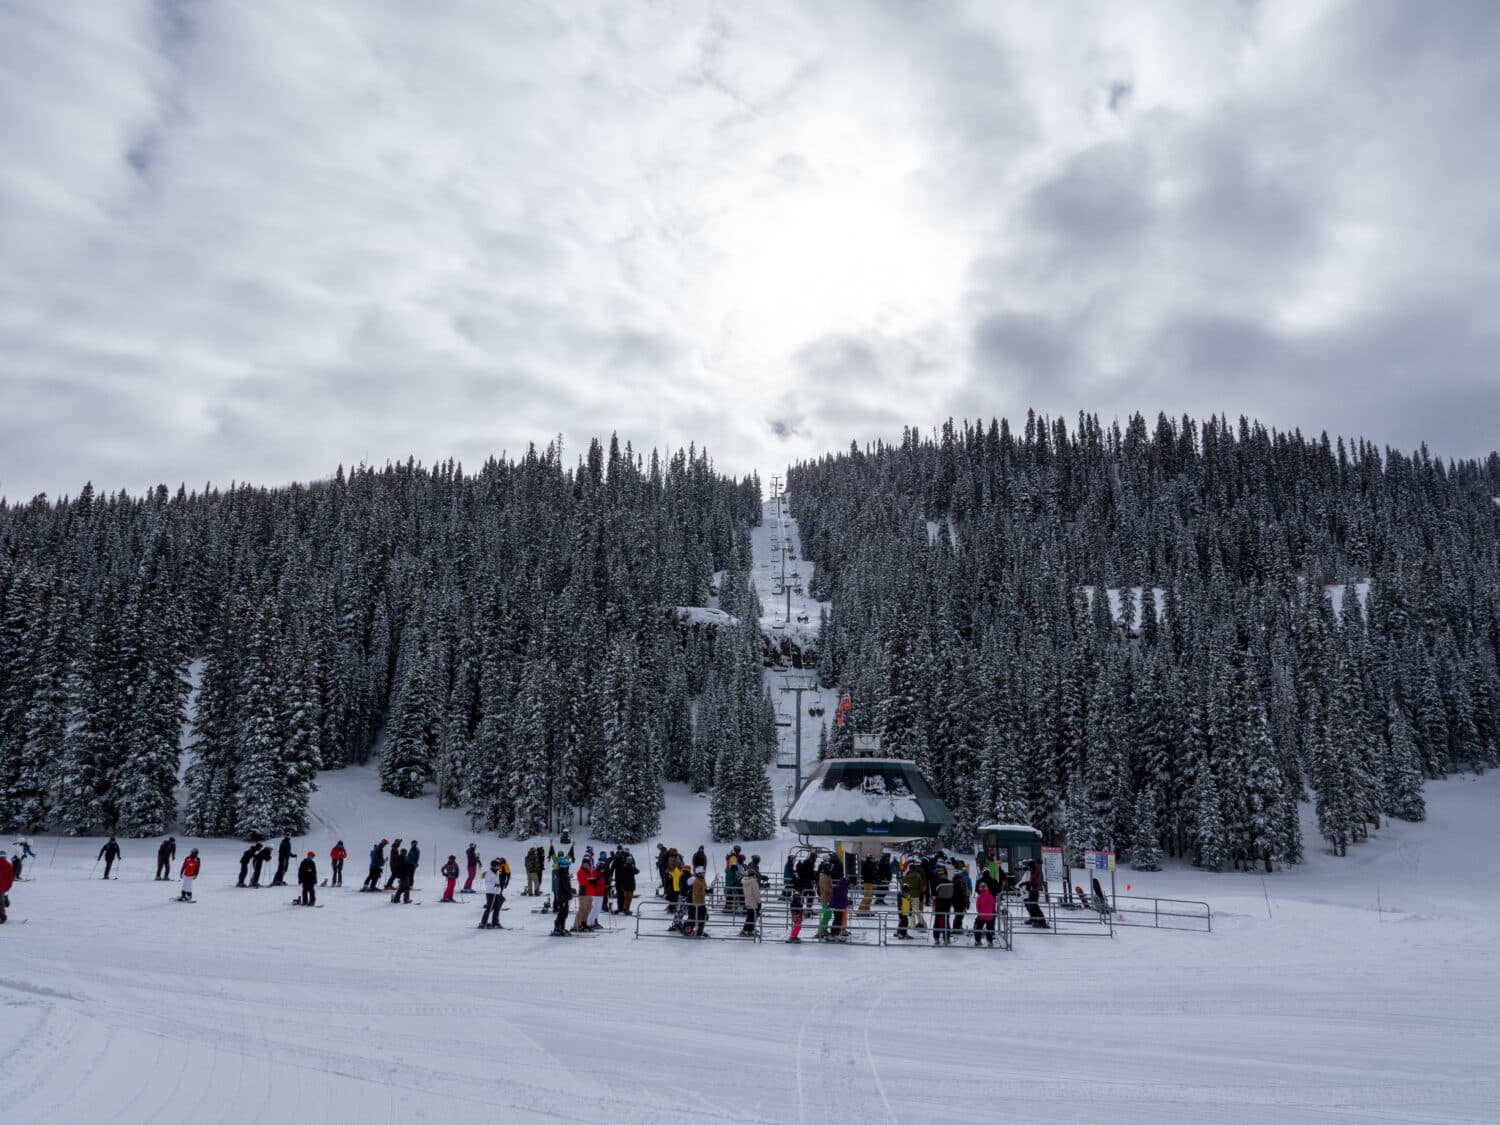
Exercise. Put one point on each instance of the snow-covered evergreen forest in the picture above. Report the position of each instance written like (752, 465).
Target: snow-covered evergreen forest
(507, 640)
(1286, 618)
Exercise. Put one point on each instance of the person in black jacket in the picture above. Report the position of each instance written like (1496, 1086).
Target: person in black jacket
(307, 875)
(262, 857)
(109, 853)
(245, 857)
(164, 857)
(401, 868)
(882, 877)
(396, 848)
(625, 873)
(413, 859)
(283, 861)
(562, 895)
(942, 903)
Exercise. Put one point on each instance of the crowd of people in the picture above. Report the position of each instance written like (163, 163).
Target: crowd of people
(934, 893)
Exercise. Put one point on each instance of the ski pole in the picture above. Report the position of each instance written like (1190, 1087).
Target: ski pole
(94, 868)
(53, 860)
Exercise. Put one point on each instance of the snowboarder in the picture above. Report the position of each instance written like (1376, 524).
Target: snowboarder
(471, 861)
(109, 853)
(984, 912)
(7, 880)
(494, 898)
(377, 865)
(262, 858)
(23, 853)
(190, 867)
(450, 872)
(750, 888)
(283, 861)
(307, 875)
(245, 857)
(396, 849)
(336, 859)
(562, 893)
(164, 857)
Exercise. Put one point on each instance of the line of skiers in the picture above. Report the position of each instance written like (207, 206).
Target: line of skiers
(403, 869)
(611, 876)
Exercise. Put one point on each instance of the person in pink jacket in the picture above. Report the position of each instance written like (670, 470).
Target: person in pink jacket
(984, 913)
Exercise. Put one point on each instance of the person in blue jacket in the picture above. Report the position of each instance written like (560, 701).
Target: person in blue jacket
(377, 865)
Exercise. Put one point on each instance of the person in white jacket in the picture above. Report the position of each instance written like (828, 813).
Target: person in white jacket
(494, 898)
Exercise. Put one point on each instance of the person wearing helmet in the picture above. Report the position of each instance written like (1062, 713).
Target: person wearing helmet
(336, 859)
(245, 857)
(942, 903)
(562, 894)
(7, 880)
(625, 873)
(377, 865)
(307, 879)
(450, 872)
(1033, 880)
(471, 862)
(164, 857)
(750, 889)
(190, 868)
(699, 896)
(494, 898)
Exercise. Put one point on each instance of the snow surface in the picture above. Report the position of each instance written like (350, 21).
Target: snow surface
(1357, 990)
(1334, 592)
(705, 615)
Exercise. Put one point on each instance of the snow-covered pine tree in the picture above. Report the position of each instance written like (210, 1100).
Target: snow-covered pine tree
(214, 753)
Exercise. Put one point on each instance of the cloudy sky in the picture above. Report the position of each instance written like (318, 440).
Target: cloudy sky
(254, 240)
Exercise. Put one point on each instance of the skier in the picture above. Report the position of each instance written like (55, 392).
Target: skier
(395, 851)
(413, 859)
(963, 889)
(663, 865)
(825, 894)
(798, 905)
(625, 873)
(109, 853)
(750, 888)
(23, 853)
(838, 902)
(984, 912)
(262, 857)
(190, 868)
(450, 872)
(164, 857)
(283, 861)
(403, 872)
(336, 859)
(733, 874)
(307, 875)
(504, 874)
(915, 882)
(882, 877)
(942, 902)
(7, 880)
(585, 893)
(494, 898)
(699, 896)
(377, 865)
(245, 857)
(903, 912)
(471, 860)
(1033, 879)
(562, 893)
(869, 870)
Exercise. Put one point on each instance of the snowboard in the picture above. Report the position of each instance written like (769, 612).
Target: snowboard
(185, 901)
(299, 902)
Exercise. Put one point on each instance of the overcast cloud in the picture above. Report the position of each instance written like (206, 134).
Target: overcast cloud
(254, 240)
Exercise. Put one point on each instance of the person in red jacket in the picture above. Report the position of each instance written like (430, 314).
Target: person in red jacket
(585, 895)
(190, 868)
(601, 895)
(337, 857)
(7, 880)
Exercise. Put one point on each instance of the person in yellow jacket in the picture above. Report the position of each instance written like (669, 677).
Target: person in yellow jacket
(699, 895)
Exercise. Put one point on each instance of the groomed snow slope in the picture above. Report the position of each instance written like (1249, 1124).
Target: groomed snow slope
(117, 1005)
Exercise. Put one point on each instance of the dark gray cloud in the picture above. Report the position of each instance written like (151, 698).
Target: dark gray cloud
(253, 241)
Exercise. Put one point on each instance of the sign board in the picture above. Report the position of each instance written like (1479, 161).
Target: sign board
(867, 743)
(1052, 865)
(1099, 861)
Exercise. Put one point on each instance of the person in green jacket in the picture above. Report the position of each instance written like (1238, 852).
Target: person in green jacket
(914, 885)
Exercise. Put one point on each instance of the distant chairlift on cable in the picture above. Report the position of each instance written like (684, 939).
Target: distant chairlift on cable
(817, 709)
